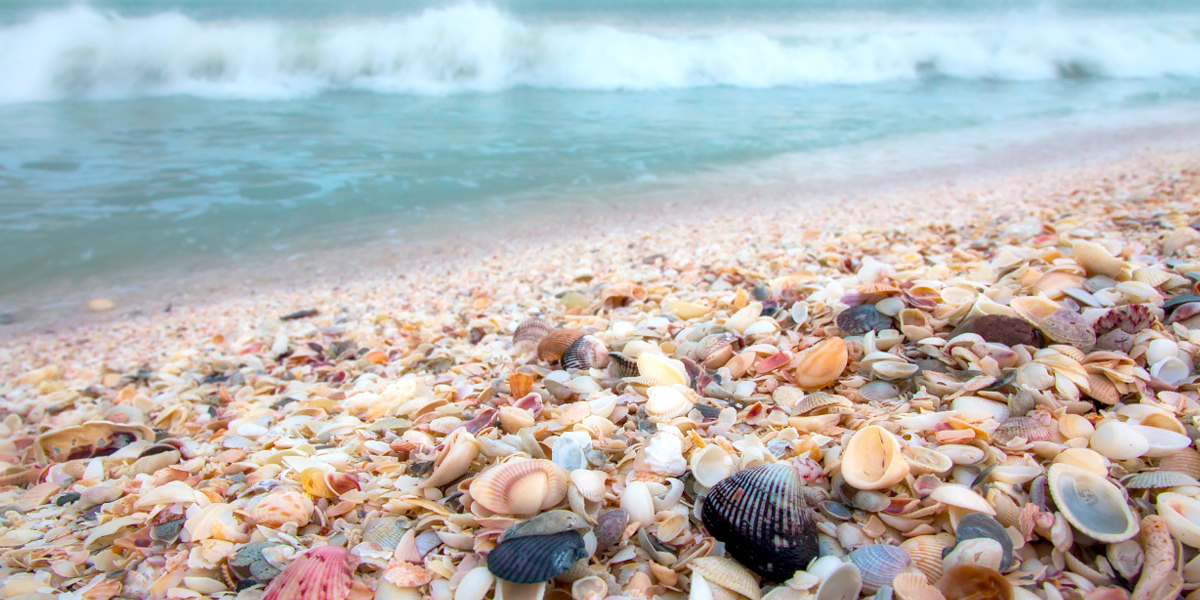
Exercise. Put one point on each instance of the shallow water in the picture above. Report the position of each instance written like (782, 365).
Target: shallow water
(219, 132)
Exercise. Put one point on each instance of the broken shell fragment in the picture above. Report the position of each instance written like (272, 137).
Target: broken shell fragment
(980, 525)
(974, 582)
(1093, 505)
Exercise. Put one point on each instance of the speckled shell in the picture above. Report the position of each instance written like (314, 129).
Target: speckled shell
(281, 508)
(531, 331)
(1158, 480)
(1130, 318)
(318, 574)
(858, 320)
(586, 352)
(1091, 503)
(979, 525)
(1068, 327)
(521, 487)
(1000, 329)
(1186, 461)
(537, 558)
(555, 343)
(822, 364)
(880, 564)
(762, 518)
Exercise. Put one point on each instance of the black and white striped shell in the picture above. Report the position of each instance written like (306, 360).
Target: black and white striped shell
(858, 320)
(979, 525)
(536, 558)
(621, 366)
(761, 517)
(1147, 480)
(585, 353)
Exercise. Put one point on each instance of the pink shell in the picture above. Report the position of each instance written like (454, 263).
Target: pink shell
(319, 574)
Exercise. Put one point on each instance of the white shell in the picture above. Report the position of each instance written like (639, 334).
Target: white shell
(975, 409)
(872, 459)
(663, 370)
(962, 497)
(666, 402)
(711, 464)
(1160, 350)
(1162, 442)
(1119, 441)
(1183, 516)
(1171, 370)
(1092, 503)
(639, 503)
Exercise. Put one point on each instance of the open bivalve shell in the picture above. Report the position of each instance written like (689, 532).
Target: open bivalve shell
(872, 459)
(318, 574)
(879, 564)
(839, 580)
(521, 486)
(1093, 504)
(761, 516)
(1183, 516)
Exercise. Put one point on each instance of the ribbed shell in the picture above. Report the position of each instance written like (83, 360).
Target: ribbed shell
(728, 574)
(926, 553)
(880, 564)
(667, 403)
(1068, 327)
(1186, 461)
(1026, 427)
(821, 400)
(1158, 480)
(585, 353)
(858, 320)
(537, 558)
(281, 508)
(521, 487)
(319, 574)
(761, 516)
(555, 343)
(979, 525)
(531, 330)
(620, 365)
(1130, 318)
(385, 531)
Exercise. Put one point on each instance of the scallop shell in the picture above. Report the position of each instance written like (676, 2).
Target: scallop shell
(1130, 318)
(728, 574)
(282, 508)
(1100, 388)
(1097, 260)
(318, 574)
(1185, 461)
(1000, 329)
(979, 525)
(536, 558)
(1028, 428)
(975, 582)
(661, 370)
(1092, 504)
(587, 352)
(914, 586)
(531, 331)
(520, 487)
(822, 364)
(1068, 327)
(860, 319)
(591, 484)
(1183, 516)
(555, 343)
(711, 464)
(872, 459)
(761, 517)
(926, 553)
(667, 403)
(879, 564)
(1158, 480)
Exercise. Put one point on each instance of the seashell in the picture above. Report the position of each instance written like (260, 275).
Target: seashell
(318, 574)
(962, 497)
(872, 459)
(1171, 370)
(710, 465)
(926, 553)
(1093, 505)
(1119, 441)
(1097, 260)
(922, 460)
(547, 523)
(970, 582)
(688, 310)
(1053, 283)
(250, 563)
(1084, 458)
(536, 558)
(984, 552)
(1099, 282)
(588, 588)
(1158, 480)
(1075, 426)
(879, 564)
(530, 332)
(555, 343)
(1185, 461)
(94, 438)
(1130, 318)
(473, 586)
(1000, 329)
(1068, 327)
(1162, 442)
(666, 403)
(1027, 428)
(282, 508)
(761, 516)
(1126, 557)
(454, 460)
(1033, 308)
(520, 486)
(860, 319)
(175, 492)
(914, 586)
(512, 420)
(1015, 474)
(662, 370)
(894, 369)
(1151, 276)
(879, 391)
(821, 403)
(1182, 514)
(963, 455)
(621, 365)
(591, 484)
(979, 525)
(610, 526)
(385, 531)
(839, 580)
(587, 352)
(822, 364)
(638, 502)
(727, 573)
(716, 349)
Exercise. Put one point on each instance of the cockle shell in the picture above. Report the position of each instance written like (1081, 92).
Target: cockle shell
(926, 553)
(662, 370)
(282, 508)
(879, 564)
(318, 574)
(555, 343)
(589, 483)
(667, 402)
(1158, 480)
(762, 518)
(530, 332)
(970, 582)
(1183, 516)
(1186, 461)
(860, 319)
(872, 459)
(587, 352)
(822, 364)
(1162, 442)
(1097, 260)
(914, 586)
(520, 486)
(1092, 503)
(727, 573)
(536, 558)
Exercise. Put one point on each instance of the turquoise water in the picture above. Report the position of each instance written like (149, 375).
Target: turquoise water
(193, 132)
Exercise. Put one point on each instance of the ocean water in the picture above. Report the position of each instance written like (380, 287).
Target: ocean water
(142, 135)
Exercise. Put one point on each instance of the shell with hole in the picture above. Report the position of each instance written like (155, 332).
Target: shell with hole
(520, 486)
(872, 459)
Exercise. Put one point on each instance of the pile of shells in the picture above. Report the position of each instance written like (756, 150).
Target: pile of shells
(1005, 408)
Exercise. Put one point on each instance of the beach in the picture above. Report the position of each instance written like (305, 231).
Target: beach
(403, 418)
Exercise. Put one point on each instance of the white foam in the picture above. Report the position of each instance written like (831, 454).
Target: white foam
(80, 52)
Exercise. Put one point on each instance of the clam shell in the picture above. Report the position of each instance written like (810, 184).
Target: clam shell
(591, 484)
(962, 497)
(667, 402)
(536, 558)
(879, 564)
(661, 370)
(872, 459)
(839, 580)
(922, 460)
(822, 364)
(586, 352)
(1162, 442)
(762, 518)
(1001, 329)
(926, 553)
(1158, 480)
(1183, 516)
(1097, 260)
(1119, 441)
(547, 523)
(531, 331)
(1053, 284)
(984, 552)
(710, 465)
(1076, 426)
(860, 319)
(1033, 308)
(282, 508)
(520, 487)
(975, 582)
(914, 586)
(318, 574)
(1171, 370)
(1185, 461)
(728, 574)
(979, 525)
(1092, 504)
(1084, 458)
(1068, 327)
(554, 344)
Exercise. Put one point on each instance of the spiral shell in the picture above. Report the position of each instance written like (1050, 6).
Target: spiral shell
(282, 508)
(822, 364)
(520, 487)
(761, 516)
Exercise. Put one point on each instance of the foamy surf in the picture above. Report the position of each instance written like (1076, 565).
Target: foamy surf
(84, 53)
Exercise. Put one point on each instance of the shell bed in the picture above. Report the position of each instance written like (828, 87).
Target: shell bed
(976, 392)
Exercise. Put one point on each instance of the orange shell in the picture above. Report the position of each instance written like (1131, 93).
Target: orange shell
(281, 508)
(319, 574)
(556, 342)
(822, 364)
(521, 487)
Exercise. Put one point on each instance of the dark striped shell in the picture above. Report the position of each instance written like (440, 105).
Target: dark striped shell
(622, 366)
(1000, 329)
(979, 525)
(536, 558)
(858, 320)
(555, 343)
(762, 518)
(585, 353)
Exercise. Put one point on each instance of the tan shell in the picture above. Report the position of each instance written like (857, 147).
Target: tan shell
(1103, 390)
(822, 403)
(914, 586)
(454, 460)
(1158, 480)
(1097, 260)
(922, 460)
(530, 332)
(822, 364)
(591, 484)
(872, 459)
(1068, 327)
(729, 574)
(520, 487)
(1053, 283)
(1186, 461)
(926, 553)
(555, 343)
(282, 508)
(661, 370)
(1151, 276)
(667, 402)
(1033, 308)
